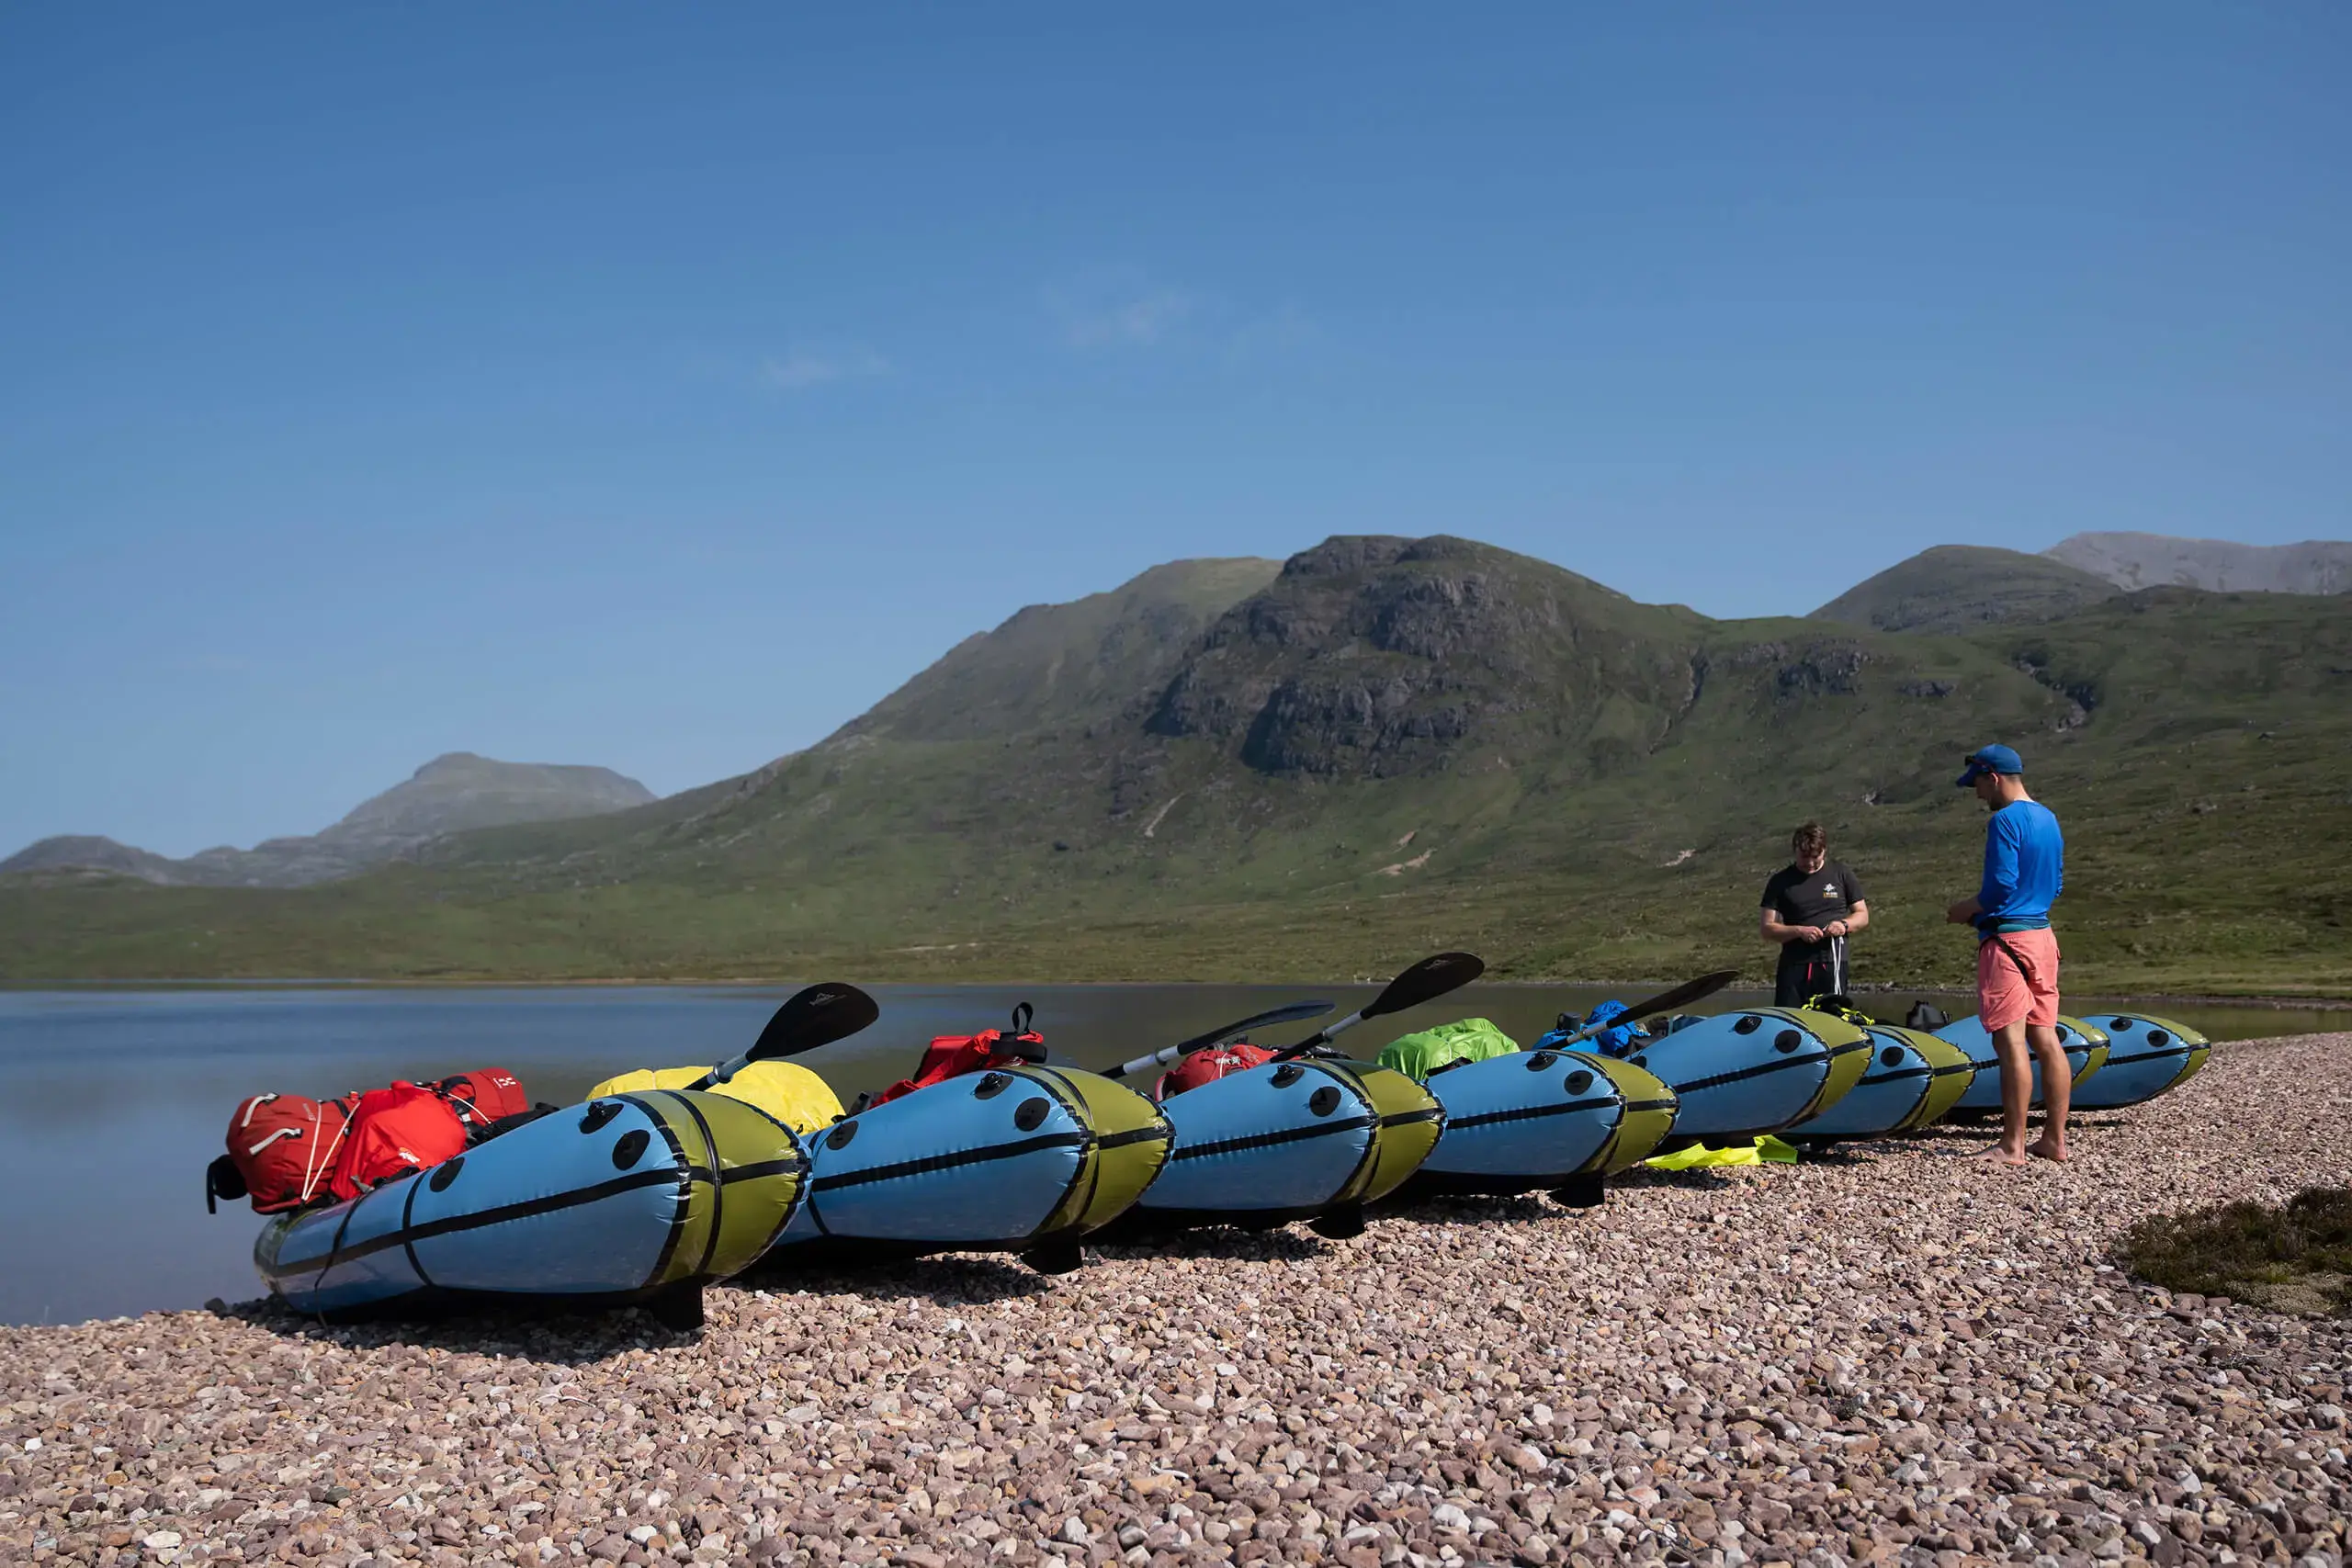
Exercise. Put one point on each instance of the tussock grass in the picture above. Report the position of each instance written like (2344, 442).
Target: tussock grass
(2294, 1258)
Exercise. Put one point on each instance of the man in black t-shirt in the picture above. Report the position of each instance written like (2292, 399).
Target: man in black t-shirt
(1810, 908)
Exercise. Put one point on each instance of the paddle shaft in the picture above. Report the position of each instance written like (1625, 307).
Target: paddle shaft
(1288, 1014)
(1424, 982)
(1323, 1036)
(1688, 991)
(721, 1073)
(1161, 1058)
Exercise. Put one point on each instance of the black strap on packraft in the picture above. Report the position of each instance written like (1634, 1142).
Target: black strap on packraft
(223, 1179)
(1021, 1040)
(492, 1129)
(1924, 1015)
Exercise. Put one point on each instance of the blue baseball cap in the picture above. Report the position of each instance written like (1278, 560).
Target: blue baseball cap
(1990, 760)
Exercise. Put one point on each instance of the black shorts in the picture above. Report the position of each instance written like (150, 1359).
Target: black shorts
(1800, 981)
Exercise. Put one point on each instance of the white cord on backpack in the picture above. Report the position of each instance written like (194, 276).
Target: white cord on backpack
(311, 1180)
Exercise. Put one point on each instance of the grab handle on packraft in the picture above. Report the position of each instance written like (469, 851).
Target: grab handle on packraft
(1021, 1041)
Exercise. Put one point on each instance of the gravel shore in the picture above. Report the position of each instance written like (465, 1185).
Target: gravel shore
(1891, 1353)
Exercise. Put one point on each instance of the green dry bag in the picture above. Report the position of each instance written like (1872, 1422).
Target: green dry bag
(1467, 1040)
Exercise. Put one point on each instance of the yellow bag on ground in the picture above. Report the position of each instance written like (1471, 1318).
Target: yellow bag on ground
(786, 1090)
(1766, 1150)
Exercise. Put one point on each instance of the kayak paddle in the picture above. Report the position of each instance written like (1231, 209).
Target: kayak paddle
(817, 1016)
(1688, 991)
(1424, 982)
(1293, 1013)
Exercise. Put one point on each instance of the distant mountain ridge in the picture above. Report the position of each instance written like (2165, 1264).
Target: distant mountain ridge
(2133, 561)
(93, 851)
(1955, 588)
(451, 794)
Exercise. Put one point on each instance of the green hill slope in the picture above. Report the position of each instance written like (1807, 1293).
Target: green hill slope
(1393, 746)
(1066, 663)
(1955, 588)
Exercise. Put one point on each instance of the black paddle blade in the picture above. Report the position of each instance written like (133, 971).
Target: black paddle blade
(1688, 991)
(1293, 1013)
(818, 1016)
(1426, 981)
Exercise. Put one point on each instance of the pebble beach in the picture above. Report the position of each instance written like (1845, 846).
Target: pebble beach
(1889, 1353)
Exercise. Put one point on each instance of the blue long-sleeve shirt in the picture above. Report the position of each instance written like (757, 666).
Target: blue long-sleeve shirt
(2025, 869)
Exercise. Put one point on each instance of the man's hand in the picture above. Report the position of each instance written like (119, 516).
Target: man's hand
(1809, 934)
(1964, 912)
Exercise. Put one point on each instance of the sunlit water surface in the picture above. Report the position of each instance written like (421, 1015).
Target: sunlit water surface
(113, 1102)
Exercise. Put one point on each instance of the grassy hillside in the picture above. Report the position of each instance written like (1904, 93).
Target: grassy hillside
(1066, 663)
(1956, 588)
(1398, 746)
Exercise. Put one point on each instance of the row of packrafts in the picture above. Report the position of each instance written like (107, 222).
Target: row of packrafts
(649, 1194)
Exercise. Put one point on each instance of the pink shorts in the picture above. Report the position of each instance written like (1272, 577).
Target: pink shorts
(2004, 995)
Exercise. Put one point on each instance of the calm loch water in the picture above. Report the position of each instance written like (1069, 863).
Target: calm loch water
(113, 1102)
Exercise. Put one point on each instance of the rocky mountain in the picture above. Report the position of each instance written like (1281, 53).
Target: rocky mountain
(1955, 588)
(1461, 703)
(450, 794)
(2158, 561)
(1374, 655)
(1389, 747)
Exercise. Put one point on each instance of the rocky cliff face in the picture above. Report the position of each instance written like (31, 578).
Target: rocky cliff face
(1376, 656)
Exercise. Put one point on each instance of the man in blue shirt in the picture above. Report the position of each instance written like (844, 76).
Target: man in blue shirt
(2017, 952)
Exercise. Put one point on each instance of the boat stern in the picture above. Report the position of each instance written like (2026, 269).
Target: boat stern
(1131, 1143)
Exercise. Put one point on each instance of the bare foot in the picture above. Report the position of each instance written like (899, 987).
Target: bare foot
(1999, 1154)
(2044, 1148)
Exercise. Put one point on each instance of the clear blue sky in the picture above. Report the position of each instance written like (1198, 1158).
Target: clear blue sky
(659, 386)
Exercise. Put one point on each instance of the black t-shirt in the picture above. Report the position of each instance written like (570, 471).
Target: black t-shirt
(1810, 898)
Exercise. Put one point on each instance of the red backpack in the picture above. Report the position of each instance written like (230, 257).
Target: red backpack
(286, 1151)
(393, 1131)
(1208, 1067)
(481, 1097)
(952, 1055)
(281, 1150)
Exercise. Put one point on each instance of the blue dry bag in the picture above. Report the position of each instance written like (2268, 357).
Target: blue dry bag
(1618, 1042)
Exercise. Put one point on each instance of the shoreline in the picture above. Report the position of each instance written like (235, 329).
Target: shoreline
(2328, 1003)
(1889, 1353)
